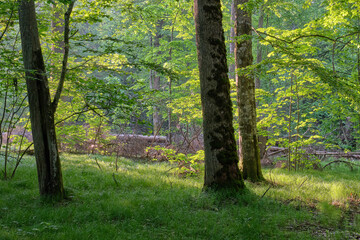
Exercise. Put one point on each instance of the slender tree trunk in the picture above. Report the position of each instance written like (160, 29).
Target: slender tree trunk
(249, 153)
(41, 111)
(259, 58)
(221, 159)
(358, 72)
(290, 120)
(156, 80)
(170, 88)
(297, 159)
(232, 40)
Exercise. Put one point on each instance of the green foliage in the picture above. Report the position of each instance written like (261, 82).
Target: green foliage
(13, 98)
(317, 50)
(185, 165)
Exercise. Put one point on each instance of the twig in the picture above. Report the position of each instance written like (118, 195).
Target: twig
(116, 182)
(7, 23)
(265, 192)
(98, 164)
(302, 183)
(19, 158)
(71, 115)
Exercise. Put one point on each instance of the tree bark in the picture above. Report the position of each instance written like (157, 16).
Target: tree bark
(221, 159)
(41, 112)
(248, 140)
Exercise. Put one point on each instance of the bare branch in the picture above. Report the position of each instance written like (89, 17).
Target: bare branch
(7, 23)
(60, 87)
(73, 114)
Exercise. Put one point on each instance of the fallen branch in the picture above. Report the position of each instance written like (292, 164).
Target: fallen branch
(98, 163)
(276, 150)
(302, 183)
(342, 161)
(265, 192)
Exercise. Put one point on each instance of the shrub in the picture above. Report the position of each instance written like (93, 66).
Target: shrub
(186, 165)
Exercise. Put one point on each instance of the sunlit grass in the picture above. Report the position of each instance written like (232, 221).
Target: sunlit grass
(144, 200)
(327, 185)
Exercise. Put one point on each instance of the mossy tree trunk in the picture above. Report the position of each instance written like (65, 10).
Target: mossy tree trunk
(248, 139)
(41, 110)
(221, 159)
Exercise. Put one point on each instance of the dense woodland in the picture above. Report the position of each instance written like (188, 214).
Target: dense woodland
(219, 92)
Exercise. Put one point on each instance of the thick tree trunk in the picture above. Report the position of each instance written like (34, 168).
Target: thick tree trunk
(221, 159)
(41, 112)
(249, 153)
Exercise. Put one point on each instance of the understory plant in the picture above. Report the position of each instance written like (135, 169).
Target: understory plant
(185, 165)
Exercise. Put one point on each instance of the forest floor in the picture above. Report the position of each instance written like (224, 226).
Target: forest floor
(144, 200)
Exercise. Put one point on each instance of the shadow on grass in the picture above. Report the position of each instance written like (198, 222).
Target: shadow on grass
(142, 201)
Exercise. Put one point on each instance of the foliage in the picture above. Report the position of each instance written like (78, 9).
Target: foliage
(13, 104)
(185, 165)
(309, 77)
(310, 64)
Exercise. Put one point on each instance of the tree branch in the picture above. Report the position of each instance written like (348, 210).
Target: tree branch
(7, 23)
(73, 114)
(60, 87)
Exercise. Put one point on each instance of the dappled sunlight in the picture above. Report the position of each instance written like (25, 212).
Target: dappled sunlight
(313, 186)
(138, 175)
(145, 200)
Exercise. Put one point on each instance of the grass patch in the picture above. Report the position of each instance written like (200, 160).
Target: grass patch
(143, 201)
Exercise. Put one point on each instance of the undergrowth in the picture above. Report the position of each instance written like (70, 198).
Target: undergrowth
(143, 200)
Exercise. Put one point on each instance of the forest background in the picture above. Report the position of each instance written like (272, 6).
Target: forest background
(132, 73)
(131, 89)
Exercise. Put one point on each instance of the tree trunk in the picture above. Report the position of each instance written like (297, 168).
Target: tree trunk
(232, 40)
(221, 159)
(249, 154)
(259, 58)
(41, 112)
(156, 80)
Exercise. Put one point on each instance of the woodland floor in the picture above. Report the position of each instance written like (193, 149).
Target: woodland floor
(144, 200)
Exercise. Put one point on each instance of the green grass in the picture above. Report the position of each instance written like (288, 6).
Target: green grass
(143, 201)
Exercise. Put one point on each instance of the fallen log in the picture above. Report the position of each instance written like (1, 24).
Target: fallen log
(277, 150)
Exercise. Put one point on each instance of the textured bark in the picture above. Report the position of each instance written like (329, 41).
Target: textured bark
(221, 159)
(41, 114)
(248, 140)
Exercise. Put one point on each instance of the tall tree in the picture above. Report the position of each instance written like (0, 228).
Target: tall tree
(221, 159)
(259, 58)
(248, 140)
(157, 79)
(41, 108)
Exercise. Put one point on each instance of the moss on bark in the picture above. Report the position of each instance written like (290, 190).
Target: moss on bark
(221, 160)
